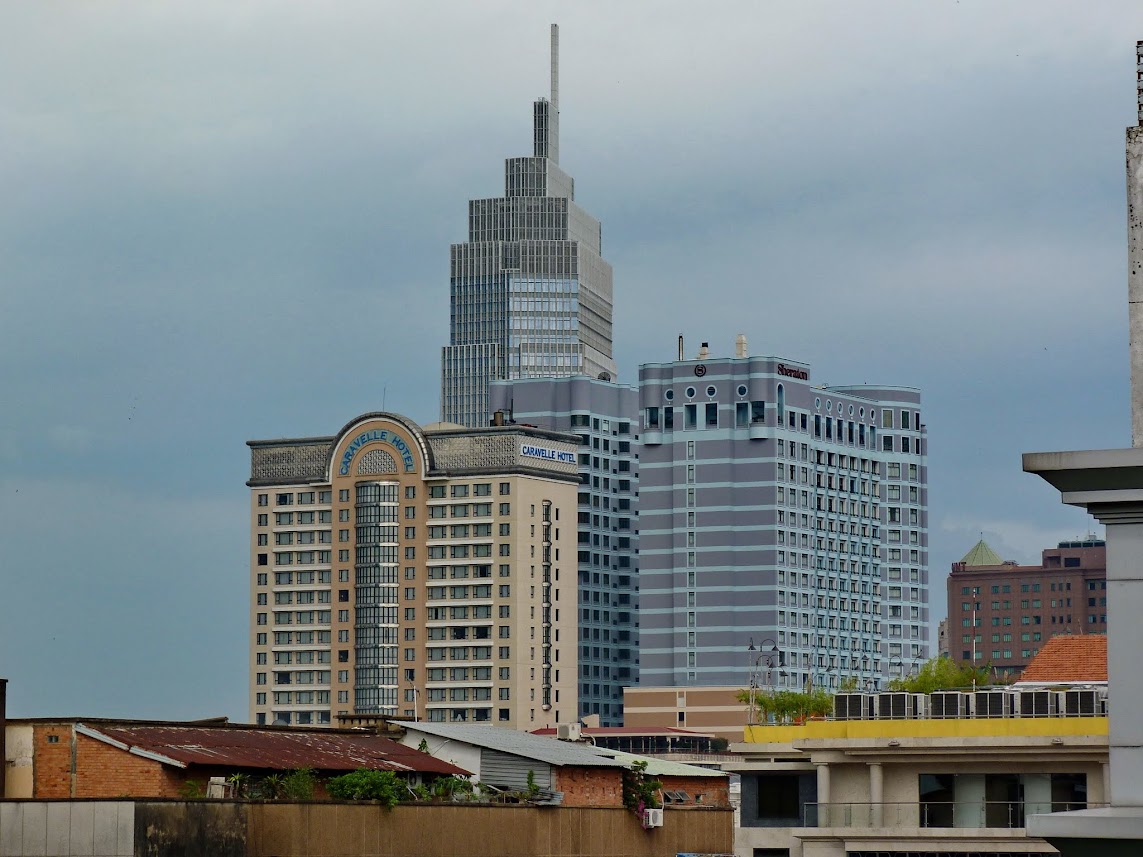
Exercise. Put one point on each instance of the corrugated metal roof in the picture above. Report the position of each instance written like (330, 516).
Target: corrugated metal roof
(650, 731)
(657, 767)
(524, 744)
(273, 749)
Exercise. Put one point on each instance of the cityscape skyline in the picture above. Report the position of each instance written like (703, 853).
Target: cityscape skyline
(950, 233)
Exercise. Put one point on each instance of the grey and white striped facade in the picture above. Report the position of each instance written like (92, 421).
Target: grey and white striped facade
(605, 415)
(776, 512)
(530, 294)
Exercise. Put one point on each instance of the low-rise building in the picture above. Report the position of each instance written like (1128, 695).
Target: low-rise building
(712, 709)
(952, 773)
(574, 774)
(95, 758)
(568, 772)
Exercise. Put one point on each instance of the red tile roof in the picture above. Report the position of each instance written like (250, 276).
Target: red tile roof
(1069, 658)
(271, 749)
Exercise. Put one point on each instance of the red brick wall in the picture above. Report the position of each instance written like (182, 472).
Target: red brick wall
(101, 770)
(106, 771)
(589, 786)
(51, 763)
(715, 791)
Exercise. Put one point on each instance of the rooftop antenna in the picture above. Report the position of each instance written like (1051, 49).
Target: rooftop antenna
(556, 67)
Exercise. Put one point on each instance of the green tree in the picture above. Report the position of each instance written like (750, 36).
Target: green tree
(639, 790)
(382, 786)
(787, 705)
(299, 785)
(942, 673)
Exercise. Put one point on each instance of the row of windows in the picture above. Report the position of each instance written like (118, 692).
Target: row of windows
(619, 427)
(480, 489)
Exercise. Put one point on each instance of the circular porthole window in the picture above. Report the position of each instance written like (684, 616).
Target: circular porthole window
(742, 389)
(669, 395)
(817, 404)
(710, 391)
(829, 406)
(862, 414)
(690, 392)
(851, 410)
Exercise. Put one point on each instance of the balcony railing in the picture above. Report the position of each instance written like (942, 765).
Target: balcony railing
(933, 814)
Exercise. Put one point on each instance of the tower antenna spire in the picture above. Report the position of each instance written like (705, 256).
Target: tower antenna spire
(556, 67)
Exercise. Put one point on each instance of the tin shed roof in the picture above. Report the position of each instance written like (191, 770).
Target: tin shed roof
(267, 749)
(515, 743)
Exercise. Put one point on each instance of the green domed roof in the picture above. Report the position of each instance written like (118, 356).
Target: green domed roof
(982, 554)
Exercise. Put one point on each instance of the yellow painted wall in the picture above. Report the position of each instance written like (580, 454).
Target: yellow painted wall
(1013, 727)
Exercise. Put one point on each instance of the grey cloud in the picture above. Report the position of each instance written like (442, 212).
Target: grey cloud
(225, 221)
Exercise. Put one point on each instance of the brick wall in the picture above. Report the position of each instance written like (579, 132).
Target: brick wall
(589, 786)
(51, 761)
(101, 771)
(714, 791)
(106, 771)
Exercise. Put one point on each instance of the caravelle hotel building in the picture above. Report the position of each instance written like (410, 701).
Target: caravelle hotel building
(414, 572)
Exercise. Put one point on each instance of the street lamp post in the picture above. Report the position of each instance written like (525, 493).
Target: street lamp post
(770, 656)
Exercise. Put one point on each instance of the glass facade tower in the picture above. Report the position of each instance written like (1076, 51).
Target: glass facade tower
(530, 294)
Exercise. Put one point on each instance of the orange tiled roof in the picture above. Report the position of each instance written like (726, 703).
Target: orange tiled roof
(1069, 658)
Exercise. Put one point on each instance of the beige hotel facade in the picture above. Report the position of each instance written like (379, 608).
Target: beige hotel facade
(424, 573)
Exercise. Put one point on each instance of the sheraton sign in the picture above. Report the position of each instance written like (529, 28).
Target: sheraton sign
(793, 372)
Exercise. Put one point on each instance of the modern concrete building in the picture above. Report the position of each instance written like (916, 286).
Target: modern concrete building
(420, 572)
(782, 514)
(1001, 613)
(1109, 484)
(605, 415)
(951, 779)
(530, 294)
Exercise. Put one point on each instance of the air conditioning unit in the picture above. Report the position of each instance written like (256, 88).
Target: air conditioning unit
(895, 706)
(568, 731)
(992, 703)
(1082, 702)
(949, 704)
(652, 818)
(1037, 703)
(853, 706)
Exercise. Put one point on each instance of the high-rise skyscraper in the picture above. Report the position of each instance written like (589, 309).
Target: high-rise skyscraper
(605, 415)
(782, 515)
(530, 295)
(407, 571)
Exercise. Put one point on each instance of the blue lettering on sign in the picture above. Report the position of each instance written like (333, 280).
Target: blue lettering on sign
(547, 453)
(384, 436)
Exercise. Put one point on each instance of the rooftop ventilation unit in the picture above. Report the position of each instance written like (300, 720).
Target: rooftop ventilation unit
(1036, 703)
(950, 704)
(992, 703)
(1082, 703)
(900, 706)
(853, 706)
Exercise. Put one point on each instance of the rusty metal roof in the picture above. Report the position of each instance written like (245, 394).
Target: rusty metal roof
(268, 749)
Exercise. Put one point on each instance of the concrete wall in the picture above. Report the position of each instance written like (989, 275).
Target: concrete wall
(233, 829)
(65, 828)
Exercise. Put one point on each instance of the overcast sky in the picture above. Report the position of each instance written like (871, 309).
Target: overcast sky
(222, 221)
